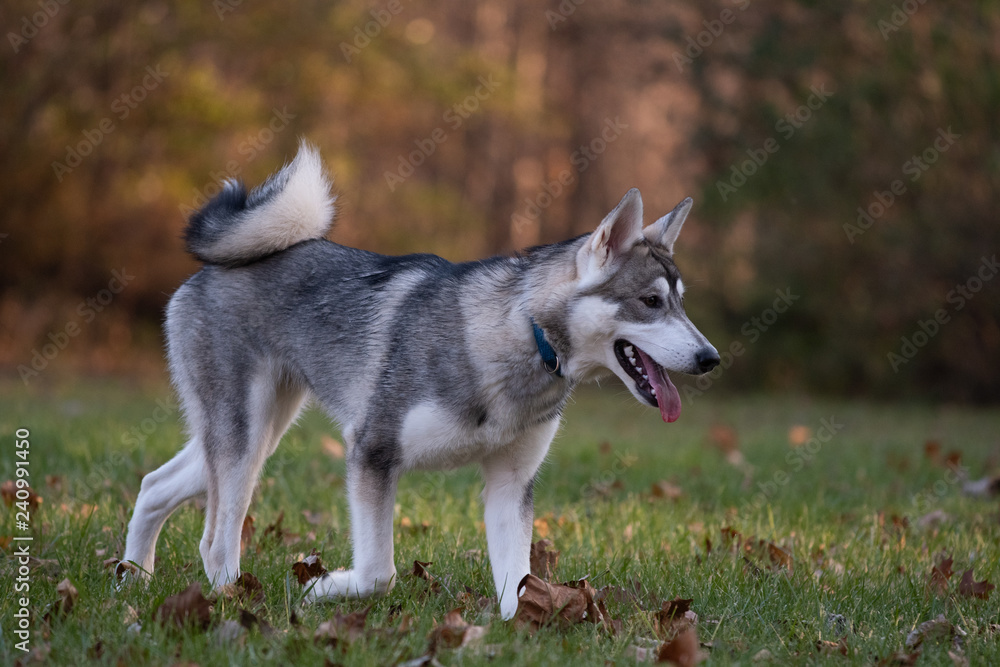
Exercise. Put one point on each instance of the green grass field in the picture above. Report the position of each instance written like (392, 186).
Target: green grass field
(864, 517)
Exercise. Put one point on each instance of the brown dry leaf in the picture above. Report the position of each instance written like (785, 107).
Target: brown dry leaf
(936, 629)
(832, 648)
(683, 650)
(8, 491)
(799, 435)
(67, 598)
(54, 482)
(276, 531)
(900, 658)
(187, 607)
(543, 559)
(778, 557)
(673, 616)
(541, 603)
(542, 527)
(954, 459)
(248, 620)
(246, 534)
(308, 568)
(454, 632)
(664, 489)
(342, 628)
(247, 589)
(724, 438)
(932, 450)
(974, 589)
(420, 570)
(937, 581)
(332, 447)
(604, 447)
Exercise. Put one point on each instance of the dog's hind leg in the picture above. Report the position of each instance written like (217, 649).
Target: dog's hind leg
(371, 492)
(509, 510)
(161, 492)
(243, 437)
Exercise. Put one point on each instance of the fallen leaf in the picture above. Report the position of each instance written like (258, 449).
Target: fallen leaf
(673, 616)
(974, 589)
(188, 607)
(342, 628)
(541, 527)
(683, 650)
(954, 459)
(939, 576)
(543, 559)
(936, 629)
(332, 447)
(420, 570)
(826, 647)
(277, 532)
(54, 482)
(308, 568)
(900, 658)
(932, 449)
(799, 435)
(246, 534)
(8, 491)
(454, 632)
(247, 589)
(541, 603)
(664, 489)
(249, 621)
(723, 438)
(67, 598)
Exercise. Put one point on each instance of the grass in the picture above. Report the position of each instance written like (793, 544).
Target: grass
(833, 513)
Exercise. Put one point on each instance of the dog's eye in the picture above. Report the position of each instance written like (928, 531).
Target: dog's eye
(652, 301)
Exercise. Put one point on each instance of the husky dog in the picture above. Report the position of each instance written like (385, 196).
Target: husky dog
(424, 364)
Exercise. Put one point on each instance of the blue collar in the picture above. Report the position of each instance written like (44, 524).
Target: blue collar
(550, 360)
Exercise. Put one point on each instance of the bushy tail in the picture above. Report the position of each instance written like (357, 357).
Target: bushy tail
(293, 205)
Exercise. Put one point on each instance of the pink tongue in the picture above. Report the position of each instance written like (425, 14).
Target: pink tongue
(667, 397)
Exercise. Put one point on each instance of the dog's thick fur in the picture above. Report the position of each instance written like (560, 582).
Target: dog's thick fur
(424, 364)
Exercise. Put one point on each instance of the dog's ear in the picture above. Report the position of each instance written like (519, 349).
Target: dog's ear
(618, 232)
(664, 231)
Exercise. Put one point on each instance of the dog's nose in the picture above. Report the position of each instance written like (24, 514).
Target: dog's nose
(707, 359)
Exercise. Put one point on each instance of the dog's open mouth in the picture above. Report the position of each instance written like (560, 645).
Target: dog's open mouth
(651, 379)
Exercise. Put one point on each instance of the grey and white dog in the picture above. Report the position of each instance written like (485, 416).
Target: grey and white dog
(425, 364)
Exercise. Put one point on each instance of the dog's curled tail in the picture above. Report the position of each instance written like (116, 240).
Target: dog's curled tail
(293, 205)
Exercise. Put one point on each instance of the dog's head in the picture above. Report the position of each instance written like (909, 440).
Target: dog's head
(627, 314)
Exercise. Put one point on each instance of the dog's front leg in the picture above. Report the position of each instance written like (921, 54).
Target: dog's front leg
(509, 475)
(371, 492)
